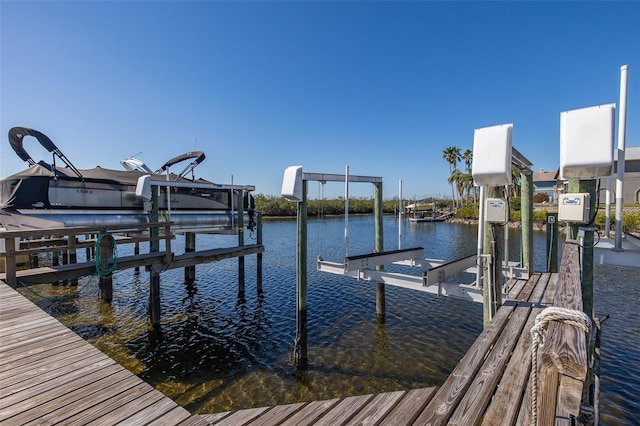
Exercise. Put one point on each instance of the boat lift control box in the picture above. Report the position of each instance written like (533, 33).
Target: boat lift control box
(574, 208)
(496, 210)
(586, 142)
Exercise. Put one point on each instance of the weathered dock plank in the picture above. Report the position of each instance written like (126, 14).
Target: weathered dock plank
(311, 412)
(502, 408)
(409, 407)
(238, 418)
(377, 409)
(49, 375)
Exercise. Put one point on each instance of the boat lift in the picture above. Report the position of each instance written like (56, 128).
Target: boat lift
(434, 278)
(437, 276)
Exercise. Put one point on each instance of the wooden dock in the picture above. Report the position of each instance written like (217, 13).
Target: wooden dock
(50, 375)
(489, 386)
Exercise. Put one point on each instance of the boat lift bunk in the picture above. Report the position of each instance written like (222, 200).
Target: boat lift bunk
(437, 276)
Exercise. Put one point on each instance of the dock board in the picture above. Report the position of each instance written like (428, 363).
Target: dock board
(50, 375)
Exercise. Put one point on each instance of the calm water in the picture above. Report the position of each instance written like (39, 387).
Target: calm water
(215, 352)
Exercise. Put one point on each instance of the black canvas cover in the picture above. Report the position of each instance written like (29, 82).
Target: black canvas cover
(28, 187)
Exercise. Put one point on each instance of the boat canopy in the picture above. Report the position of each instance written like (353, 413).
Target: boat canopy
(16, 136)
(199, 158)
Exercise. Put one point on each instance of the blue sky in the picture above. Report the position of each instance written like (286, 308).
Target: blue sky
(382, 87)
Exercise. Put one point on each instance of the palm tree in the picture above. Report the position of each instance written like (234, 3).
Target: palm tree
(452, 155)
(467, 156)
(468, 159)
(457, 179)
(467, 184)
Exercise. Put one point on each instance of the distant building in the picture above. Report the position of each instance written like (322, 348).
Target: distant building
(631, 176)
(548, 183)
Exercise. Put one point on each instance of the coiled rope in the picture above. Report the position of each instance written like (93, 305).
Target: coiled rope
(111, 260)
(568, 316)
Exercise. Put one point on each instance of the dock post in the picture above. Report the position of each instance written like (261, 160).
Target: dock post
(189, 247)
(10, 262)
(55, 261)
(88, 249)
(259, 255)
(379, 242)
(492, 278)
(136, 251)
(526, 210)
(240, 210)
(73, 256)
(552, 242)
(300, 342)
(585, 186)
(106, 282)
(154, 247)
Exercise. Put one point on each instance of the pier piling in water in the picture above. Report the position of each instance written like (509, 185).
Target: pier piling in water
(154, 276)
(300, 342)
(240, 225)
(379, 242)
(106, 281)
(189, 247)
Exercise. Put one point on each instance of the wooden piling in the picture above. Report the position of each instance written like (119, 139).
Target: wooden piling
(259, 255)
(552, 242)
(526, 211)
(189, 246)
(300, 342)
(379, 243)
(105, 288)
(492, 277)
(73, 256)
(10, 262)
(240, 210)
(136, 251)
(585, 186)
(154, 247)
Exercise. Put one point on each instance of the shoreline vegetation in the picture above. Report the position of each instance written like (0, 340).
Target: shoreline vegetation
(278, 207)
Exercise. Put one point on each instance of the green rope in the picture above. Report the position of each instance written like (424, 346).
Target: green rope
(112, 259)
(56, 298)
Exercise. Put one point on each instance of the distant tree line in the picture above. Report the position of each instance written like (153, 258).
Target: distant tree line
(270, 205)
